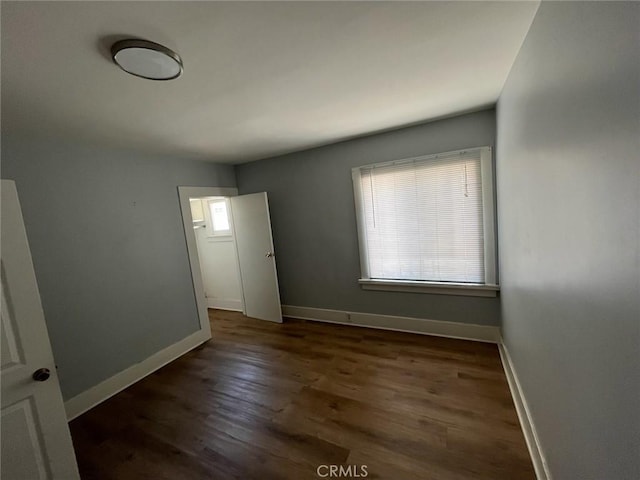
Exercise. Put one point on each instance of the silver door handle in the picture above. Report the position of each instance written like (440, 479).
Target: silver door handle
(270, 254)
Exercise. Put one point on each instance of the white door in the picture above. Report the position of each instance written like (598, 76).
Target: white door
(256, 257)
(217, 252)
(36, 443)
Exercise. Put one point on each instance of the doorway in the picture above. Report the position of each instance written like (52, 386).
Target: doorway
(217, 252)
(230, 247)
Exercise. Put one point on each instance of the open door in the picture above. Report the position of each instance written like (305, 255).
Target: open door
(256, 256)
(36, 443)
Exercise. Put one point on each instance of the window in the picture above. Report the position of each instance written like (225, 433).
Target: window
(219, 214)
(428, 223)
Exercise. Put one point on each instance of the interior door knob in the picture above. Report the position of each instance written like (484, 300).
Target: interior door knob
(270, 254)
(41, 374)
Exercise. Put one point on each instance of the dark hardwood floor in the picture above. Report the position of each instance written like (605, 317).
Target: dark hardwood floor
(276, 401)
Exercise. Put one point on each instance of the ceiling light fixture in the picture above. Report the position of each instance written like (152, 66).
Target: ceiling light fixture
(146, 59)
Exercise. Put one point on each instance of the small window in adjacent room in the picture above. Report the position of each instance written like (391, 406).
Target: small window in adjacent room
(427, 224)
(219, 213)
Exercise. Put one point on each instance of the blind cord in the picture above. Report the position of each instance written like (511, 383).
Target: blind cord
(373, 198)
(466, 184)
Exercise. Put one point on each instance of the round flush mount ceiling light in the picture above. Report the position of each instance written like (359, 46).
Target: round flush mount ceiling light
(146, 59)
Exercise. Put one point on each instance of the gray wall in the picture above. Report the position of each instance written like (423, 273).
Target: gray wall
(109, 251)
(568, 202)
(314, 224)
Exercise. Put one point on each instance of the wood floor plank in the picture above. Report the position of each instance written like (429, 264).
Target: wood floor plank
(276, 401)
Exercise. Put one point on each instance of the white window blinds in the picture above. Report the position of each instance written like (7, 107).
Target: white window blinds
(422, 219)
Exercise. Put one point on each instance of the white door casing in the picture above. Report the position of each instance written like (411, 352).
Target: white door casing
(36, 443)
(254, 241)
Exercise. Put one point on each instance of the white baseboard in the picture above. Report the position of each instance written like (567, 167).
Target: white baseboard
(524, 414)
(99, 393)
(224, 304)
(467, 331)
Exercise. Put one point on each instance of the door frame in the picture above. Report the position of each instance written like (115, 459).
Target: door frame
(184, 194)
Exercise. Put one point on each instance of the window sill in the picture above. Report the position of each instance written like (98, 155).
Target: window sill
(441, 288)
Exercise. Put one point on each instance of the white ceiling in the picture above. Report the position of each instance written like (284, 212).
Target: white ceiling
(260, 79)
